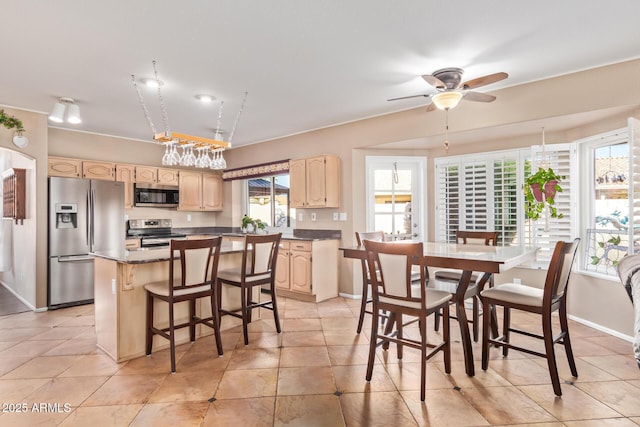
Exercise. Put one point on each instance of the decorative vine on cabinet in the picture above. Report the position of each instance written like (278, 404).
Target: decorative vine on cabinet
(315, 182)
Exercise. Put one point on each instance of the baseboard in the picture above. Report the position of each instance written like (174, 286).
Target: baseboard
(350, 296)
(22, 300)
(601, 328)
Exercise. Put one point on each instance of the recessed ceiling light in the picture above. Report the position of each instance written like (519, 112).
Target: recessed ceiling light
(152, 82)
(205, 98)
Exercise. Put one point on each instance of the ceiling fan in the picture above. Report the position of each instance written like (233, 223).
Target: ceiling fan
(450, 89)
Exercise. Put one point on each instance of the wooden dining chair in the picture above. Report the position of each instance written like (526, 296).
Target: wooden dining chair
(258, 267)
(394, 291)
(375, 236)
(448, 279)
(553, 297)
(189, 284)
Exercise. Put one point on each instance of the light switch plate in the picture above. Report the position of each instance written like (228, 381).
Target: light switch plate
(300, 216)
(313, 216)
(336, 216)
(343, 216)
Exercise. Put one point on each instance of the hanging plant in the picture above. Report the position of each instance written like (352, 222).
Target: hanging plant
(539, 190)
(11, 122)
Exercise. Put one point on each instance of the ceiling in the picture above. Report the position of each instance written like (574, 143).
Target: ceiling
(305, 64)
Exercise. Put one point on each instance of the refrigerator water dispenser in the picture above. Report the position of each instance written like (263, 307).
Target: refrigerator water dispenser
(66, 215)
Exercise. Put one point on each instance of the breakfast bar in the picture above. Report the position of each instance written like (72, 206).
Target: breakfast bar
(120, 299)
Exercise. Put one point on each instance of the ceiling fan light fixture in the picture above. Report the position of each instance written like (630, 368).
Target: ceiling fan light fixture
(447, 100)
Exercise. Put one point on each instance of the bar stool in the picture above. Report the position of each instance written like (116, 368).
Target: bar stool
(258, 268)
(205, 252)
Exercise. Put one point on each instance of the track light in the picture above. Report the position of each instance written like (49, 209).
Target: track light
(73, 111)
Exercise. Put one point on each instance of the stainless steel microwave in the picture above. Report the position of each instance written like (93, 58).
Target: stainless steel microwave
(155, 195)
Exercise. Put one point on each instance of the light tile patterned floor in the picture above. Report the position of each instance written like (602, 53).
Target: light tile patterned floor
(312, 374)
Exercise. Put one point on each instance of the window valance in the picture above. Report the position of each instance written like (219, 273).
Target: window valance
(264, 169)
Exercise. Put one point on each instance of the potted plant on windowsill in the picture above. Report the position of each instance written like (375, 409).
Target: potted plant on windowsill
(250, 225)
(539, 190)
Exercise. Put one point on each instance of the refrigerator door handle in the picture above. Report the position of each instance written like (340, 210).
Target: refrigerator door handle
(88, 222)
(93, 215)
(75, 258)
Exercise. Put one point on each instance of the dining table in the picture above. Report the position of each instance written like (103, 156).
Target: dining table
(468, 258)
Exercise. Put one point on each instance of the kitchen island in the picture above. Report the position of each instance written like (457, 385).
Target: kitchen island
(120, 299)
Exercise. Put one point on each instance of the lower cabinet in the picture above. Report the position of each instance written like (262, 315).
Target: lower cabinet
(307, 270)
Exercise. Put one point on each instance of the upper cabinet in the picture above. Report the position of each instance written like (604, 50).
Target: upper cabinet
(99, 170)
(200, 191)
(315, 182)
(153, 175)
(60, 166)
(126, 173)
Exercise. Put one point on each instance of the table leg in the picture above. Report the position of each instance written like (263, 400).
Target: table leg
(464, 325)
(494, 319)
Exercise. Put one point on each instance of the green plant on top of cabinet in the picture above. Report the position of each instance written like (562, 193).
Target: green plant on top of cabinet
(200, 191)
(315, 182)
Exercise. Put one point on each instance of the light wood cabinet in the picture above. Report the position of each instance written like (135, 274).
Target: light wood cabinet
(61, 166)
(132, 243)
(307, 270)
(151, 175)
(98, 170)
(200, 191)
(146, 174)
(14, 195)
(126, 174)
(315, 182)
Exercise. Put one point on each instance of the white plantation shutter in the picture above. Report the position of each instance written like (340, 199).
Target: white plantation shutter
(546, 231)
(634, 184)
(479, 192)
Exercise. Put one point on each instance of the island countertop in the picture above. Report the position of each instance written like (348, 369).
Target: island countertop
(144, 255)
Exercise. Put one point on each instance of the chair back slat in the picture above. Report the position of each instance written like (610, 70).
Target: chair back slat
(475, 237)
(559, 270)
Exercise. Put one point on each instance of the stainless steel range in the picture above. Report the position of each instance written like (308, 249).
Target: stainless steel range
(152, 232)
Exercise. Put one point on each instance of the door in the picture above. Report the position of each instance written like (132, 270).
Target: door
(71, 279)
(395, 196)
(69, 228)
(108, 215)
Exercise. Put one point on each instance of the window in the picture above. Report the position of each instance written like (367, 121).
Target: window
(484, 192)
(268, 200)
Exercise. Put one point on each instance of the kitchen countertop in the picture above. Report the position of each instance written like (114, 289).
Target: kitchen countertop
(145, 255)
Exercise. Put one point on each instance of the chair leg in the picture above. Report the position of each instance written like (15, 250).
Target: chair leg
(216, 322)
(192, 323)
(506, 332)
(274, 305)
(446, 335)
(436, 322)
(564, 325)
(149, 335)
(547, 333)
(486, 315)
(372, 342)
(219, 300)
(399, 346)
(249, 294)
(363, 305)
(245, 312)
(172, 338)
(476, 319)
(423, 359)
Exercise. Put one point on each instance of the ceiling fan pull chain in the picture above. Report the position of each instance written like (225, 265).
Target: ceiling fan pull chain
(165, 118)
(446, 131)
(143, 105)
(233, 131)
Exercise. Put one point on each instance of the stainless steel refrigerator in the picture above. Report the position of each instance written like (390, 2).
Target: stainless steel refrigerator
(84, 216)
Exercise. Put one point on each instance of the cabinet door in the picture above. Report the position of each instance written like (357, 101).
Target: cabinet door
(125, 173)
(59, 166)
(146, 174)
(282, 266)
(190, 191)
(297, 177)
(300, 271)
(211, 192)
(315, 181)
(98, 170)
(167, 176)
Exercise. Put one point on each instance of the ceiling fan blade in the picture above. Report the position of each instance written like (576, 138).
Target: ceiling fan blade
(434, 81)
(426, 95)
(479, 97)
(485, 80)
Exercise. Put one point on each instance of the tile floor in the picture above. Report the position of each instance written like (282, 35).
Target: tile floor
(312, 374)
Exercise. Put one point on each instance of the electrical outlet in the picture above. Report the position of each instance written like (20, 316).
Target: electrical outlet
(300, 216)
(343, 216)
(517, 281)
(336, 216)
(188, 217)
(313, 216)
